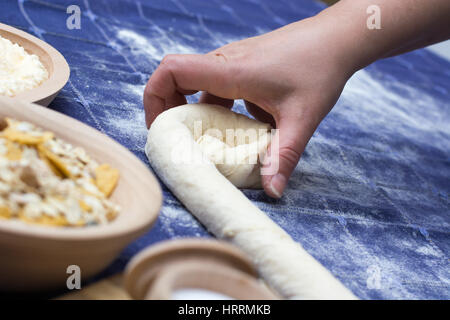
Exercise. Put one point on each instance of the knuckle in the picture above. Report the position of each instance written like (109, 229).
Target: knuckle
(289, 156)
(169, 61)
(218, 56)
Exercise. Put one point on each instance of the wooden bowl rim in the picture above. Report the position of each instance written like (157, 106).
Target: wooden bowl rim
(60, 69)
(154, 258)
(146, 183)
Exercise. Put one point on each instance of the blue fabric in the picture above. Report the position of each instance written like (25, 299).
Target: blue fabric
(370, 197)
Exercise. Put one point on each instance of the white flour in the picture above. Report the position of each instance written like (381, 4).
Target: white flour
(141, 45)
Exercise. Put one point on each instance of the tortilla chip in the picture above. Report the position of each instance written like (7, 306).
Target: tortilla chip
(106, 178)
(111, 215)
(24, 137)
(5, 212)
(52, 167)
(84, 206)
(54, 159)
(59, 221)
(14, 152)
(20, 139)
(52, 221)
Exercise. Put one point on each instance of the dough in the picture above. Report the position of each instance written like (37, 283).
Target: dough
(239, 163)
(190, 160)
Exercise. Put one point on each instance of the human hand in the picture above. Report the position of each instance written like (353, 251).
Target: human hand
(293, 76)
(288, 78)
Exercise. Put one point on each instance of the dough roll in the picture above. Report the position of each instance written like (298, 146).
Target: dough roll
(174, 147)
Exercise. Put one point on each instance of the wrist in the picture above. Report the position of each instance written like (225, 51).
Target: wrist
(345, 31)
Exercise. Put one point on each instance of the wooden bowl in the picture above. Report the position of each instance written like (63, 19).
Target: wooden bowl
(158, 271)
(53, 61)
(36, 257)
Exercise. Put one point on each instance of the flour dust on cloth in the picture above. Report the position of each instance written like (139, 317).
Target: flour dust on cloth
(192, 149)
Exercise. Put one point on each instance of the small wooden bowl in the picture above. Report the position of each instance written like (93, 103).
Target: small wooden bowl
(158, 271)
(36, 257)
(53, 61)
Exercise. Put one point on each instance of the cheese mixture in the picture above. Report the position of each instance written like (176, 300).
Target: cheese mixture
(19, 70)
(46, 180)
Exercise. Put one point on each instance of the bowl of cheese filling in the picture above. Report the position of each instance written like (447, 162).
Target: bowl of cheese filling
(70, 197)
(30, 69)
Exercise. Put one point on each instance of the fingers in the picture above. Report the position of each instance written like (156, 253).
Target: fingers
(178, 75)
(212, 99)
(284, 153)
(153, 105)
(259, 113)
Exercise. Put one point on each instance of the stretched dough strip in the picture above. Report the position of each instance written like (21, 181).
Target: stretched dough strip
(226, 211)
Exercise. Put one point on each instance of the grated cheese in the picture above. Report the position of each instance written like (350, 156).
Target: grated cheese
(19, 70)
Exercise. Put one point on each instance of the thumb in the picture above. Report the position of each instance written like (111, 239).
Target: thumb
(285, 149)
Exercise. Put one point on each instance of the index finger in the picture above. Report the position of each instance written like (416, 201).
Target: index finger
(178, 75)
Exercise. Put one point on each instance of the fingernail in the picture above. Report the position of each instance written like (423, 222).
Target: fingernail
(277, 185)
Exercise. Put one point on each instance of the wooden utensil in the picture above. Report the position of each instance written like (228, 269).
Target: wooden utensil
(158, 271)
(36, 257)
(53, 61)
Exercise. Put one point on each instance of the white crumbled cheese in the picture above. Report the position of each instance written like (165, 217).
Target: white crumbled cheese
(48, 181)
(19, 70)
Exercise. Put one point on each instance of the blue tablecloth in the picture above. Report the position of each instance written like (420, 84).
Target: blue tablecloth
(370, 197)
